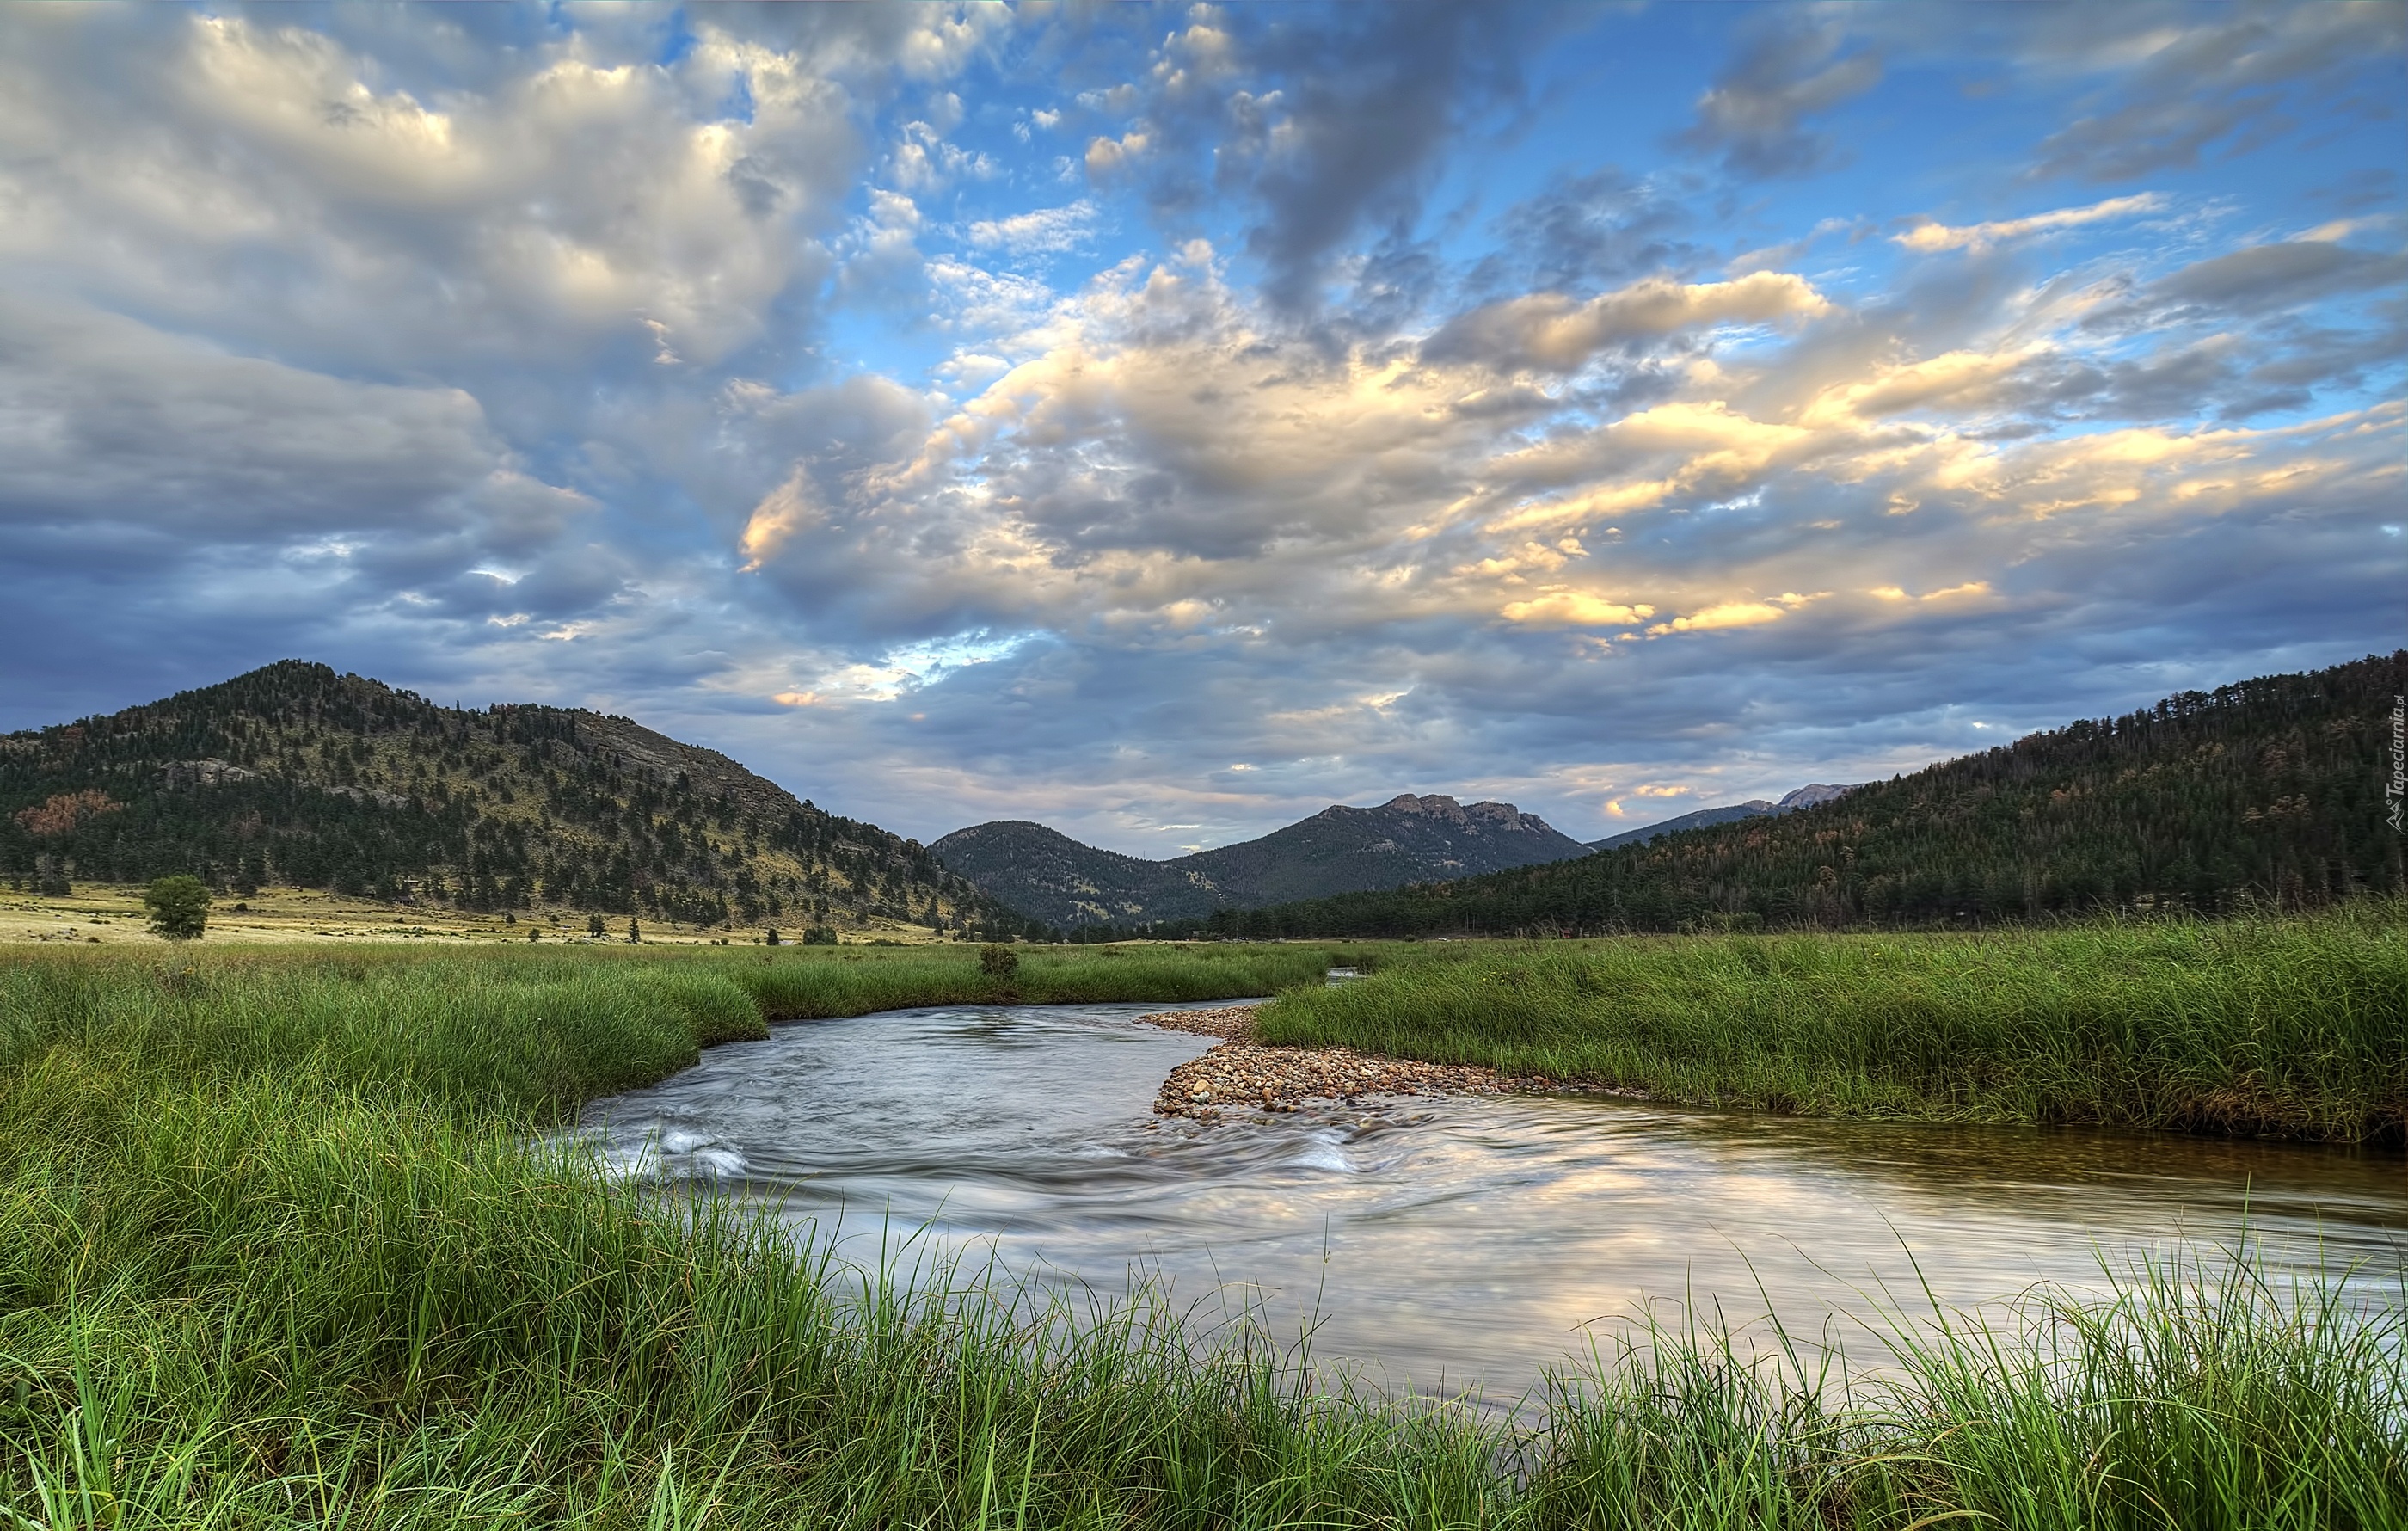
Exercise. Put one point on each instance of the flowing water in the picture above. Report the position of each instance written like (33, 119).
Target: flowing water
(1447, 1243)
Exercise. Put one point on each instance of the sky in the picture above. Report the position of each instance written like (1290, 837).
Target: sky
(1162, 422)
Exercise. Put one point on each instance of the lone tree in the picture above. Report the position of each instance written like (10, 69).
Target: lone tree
(179, 906)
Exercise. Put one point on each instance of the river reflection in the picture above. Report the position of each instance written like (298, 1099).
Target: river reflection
(1445, 1243)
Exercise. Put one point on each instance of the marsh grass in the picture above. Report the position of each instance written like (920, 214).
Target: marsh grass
(2293, 1027)
(282, 1245)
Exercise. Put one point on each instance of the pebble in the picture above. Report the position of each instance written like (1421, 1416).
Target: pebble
(1242, 1072)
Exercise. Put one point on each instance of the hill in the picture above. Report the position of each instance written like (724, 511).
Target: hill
(2269, 790)
(295, 775)
(1806, 796)
(1052, 878)
(1048, 875)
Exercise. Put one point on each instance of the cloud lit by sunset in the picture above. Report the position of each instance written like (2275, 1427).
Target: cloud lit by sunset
(968, 412)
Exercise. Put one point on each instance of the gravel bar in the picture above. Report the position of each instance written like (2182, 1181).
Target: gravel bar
(1242, 1073)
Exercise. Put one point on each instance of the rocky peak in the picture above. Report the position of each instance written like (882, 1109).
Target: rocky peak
(1814, 793)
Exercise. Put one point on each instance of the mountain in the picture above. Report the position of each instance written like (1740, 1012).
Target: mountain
(2269, 790)
(1754, 808)
(295, 774)
(1052, 878)
(1806, 796)
(1049, 876)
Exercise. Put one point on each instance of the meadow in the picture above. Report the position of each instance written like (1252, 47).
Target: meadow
(281, 1245)
(2292, 1027)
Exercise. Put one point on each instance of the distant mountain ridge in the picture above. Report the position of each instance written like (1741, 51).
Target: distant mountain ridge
(2269, 791)
(1806, 796)
(1049, 876)
(293, 774)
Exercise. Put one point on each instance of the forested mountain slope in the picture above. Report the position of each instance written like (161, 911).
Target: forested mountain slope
(1046, 875)
(293, 774)
(1806, 796)
(1050, 877)
(2271, 789)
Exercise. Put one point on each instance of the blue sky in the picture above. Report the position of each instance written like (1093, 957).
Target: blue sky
(1163, 421)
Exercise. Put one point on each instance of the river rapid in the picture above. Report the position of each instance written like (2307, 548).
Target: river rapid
(1441, 1244)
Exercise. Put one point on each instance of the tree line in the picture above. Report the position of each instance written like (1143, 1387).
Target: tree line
(2268, 792)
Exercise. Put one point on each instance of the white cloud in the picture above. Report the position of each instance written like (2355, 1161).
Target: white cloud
(1931, 237)
(1047, 231)
(1550, 332)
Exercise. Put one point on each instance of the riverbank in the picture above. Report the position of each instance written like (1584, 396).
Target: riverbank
(1244, 1073)
(2292, 1027)
(280, 1246)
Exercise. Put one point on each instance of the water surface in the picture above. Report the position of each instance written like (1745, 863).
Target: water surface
(1445, 1243)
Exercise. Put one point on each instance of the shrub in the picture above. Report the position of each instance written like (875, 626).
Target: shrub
(998, 961)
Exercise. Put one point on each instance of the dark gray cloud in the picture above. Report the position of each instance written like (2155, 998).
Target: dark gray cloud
(102, 419)
(1331, 123)
(2225, 77)
(2266, 340)
(1583, 232)
(1794, 68)
(1374, 96)
(2278, 276)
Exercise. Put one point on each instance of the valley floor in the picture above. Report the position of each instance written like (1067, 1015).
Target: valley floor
(280, 1246)
(102, 914)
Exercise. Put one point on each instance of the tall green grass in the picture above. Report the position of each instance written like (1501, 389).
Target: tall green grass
(2296, 1028)
(280, 1247)
(536, 1029)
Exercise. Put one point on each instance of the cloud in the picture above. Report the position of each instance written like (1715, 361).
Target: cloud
(1732, 614)
(1926, 238)
(2264, 276)
(2182, 82)
(1754, 115)
(102, 418)
(1549, 332)
(256, 181)
(1043, 231)
(515, 354)
(784, 511)
(1172, 490)
(1328, 123)
(1583, 230)
(1575, 608)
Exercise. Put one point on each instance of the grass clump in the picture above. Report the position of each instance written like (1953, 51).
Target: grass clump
(282, 1246)
(2201, 1395)
(2296, 1028)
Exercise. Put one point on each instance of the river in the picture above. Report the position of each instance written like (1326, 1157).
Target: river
(1446, 1243)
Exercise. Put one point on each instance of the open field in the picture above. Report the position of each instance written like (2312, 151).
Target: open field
(102, 914)
(276, 1250)
(2292, 1027)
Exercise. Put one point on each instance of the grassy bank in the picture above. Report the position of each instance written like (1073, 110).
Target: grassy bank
(275, 1251)
(2296, 1028)
(536, 1029)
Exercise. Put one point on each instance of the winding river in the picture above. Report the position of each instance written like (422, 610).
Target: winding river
(1442, 1244)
